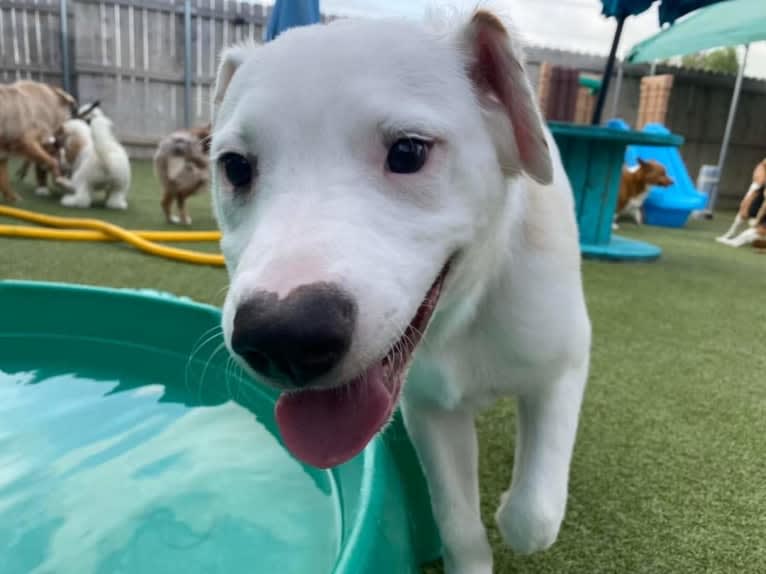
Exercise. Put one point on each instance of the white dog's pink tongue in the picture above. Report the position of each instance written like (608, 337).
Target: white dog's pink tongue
(325, 428)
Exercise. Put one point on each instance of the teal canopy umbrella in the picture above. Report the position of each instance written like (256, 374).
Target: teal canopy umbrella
(291, 13)
(729, 23)
(670, 10)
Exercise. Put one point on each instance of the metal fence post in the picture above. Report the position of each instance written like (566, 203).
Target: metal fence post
(187, 63)
(64, 36)
(729, 128)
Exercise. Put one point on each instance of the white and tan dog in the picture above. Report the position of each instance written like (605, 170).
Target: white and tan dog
(752, 210)
(387, 190)
(97, 161)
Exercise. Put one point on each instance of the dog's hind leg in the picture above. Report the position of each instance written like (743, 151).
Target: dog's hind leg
(117, 199)
(167, 208)
(5, 184)
(41, 176)
(23, 170)
(448, 450)
(532, 510)
(184, 216)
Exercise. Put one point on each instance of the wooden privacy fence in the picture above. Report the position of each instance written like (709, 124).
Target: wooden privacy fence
(151, 71)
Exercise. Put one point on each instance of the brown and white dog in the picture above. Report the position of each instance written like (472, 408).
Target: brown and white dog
(752, 209)
(30, 113)
(181, 165)
(635, 186)
(53, 145)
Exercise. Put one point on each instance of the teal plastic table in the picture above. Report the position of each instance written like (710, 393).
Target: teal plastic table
(593, 157)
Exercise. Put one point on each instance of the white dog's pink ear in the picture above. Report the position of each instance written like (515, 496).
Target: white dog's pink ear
(231, 59)
(497, 71)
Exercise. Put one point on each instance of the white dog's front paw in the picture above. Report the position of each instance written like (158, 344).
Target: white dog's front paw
(173, 218)
(752, 222)
(117, 203)
(726, 241)
(64, 182)
(474, 556)
(75, 201)
(42, 191)
(527, 522)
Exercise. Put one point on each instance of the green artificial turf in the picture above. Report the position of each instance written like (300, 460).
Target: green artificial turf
(115, 265)
(669, 472)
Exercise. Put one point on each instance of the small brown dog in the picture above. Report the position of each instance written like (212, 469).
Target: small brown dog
(30, 113)
(752, 209)
(635, 186)
(181, 165)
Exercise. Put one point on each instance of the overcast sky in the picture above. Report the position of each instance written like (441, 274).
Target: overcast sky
(569, 24)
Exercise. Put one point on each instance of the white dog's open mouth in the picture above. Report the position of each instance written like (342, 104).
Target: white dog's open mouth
(327, 427)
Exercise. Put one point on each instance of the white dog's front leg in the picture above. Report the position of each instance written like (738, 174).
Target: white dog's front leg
(744, 238)
(532, 510)
(81, 195)
(738, 220)
(447, 447)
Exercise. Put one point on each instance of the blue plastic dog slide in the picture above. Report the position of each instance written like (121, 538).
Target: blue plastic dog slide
(670, 206)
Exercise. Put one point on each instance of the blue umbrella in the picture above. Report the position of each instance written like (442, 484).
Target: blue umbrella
(291, 13)
(670, 10)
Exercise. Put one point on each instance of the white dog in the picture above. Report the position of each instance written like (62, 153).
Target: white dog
(97, 162)
(405, 199)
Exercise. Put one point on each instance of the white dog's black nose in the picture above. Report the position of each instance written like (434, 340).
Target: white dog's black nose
(297, 339)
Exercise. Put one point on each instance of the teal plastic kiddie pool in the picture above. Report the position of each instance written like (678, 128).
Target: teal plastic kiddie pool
(130, 443)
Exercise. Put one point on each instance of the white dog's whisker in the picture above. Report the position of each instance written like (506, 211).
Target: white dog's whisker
(205, 339)
(200, 388)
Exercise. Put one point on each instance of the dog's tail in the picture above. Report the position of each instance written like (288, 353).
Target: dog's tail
(107, 148)
(103, 138)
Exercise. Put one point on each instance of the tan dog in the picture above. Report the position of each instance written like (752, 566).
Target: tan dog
(56, 146)
(752, 209)
(30, 113)
(181, 165)
(635, 186)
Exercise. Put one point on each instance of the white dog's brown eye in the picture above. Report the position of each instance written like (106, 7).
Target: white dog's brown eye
(237, 169)
(407, 155)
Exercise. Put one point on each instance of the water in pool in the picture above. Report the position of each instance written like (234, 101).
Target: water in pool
(95, 479)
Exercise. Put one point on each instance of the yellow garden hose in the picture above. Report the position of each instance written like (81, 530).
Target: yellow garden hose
(88, 235)
(112, 231)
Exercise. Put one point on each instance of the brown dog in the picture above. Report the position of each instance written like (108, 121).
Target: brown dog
(30, 113)
(181, 165)
(635, 186)
(752, 209)
(55, 146)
